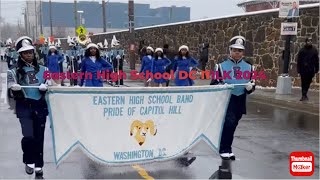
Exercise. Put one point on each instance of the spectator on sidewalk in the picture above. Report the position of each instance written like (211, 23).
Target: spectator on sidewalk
(171, 56)
(204, 56)
(307, 66)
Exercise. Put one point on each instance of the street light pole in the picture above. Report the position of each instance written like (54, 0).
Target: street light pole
(75, 17)
(0, 22)
(41, 30)
(104, 15)
(80, 12)
(132, 36)
(50, 18)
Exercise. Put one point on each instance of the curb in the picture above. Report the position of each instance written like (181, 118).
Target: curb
(293, 105)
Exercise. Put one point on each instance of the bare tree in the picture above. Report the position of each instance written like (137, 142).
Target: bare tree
(9, 31)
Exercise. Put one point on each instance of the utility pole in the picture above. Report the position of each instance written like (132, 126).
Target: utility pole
(286, 55)
(75, 17)
(50, 18)
(0, 22)
(104, 15)
(36, 18)
(28, 24)
(132, 36)
(41, 30)
(25, 21)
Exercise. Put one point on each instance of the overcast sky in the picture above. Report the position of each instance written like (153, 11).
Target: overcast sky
(11, 10)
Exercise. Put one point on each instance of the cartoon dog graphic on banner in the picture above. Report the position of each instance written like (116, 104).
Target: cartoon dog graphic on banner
(141, 129)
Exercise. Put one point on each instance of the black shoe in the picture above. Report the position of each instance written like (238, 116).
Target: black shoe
(29, 170)
(39, 174)
(186, 162)
(303, 98)
(232, 156)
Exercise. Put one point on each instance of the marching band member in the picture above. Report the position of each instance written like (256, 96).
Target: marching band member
(237, 103)
(92, 63)
(117, 56)
(102, 51)
(72, 61)
(30, 104)
(54, 60)
(159, 66)
(146, 65)
(59, 49)
(44, 51)
(106, 56)
(183, 63)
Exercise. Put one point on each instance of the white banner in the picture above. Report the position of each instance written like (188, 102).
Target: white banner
(289, 8)
(120, 126)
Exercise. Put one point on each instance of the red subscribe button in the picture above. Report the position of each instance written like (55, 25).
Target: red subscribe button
(301, 163)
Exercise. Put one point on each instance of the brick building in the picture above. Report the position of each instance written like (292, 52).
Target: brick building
(258, 5)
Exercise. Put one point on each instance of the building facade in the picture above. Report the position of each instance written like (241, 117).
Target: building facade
(259, 5)
(64, 20)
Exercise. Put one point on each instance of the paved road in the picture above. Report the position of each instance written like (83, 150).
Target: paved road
(264, 139)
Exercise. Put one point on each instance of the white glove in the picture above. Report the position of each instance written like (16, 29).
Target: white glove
(249, 87)
(15, 87)
(149, 80)
(118, 57)
(49, 82)
(137, 74)
(43, 87)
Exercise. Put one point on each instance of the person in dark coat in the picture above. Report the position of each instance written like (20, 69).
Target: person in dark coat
(29, 104)
(307, 66)
(204, 56)
(171, 56)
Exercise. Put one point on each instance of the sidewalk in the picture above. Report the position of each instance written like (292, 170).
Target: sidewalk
(266, 96)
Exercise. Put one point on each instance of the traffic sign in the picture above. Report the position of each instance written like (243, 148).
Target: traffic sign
(81, 30)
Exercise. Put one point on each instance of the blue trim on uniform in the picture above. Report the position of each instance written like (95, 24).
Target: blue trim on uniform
(201, 136)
